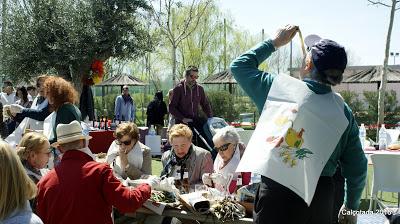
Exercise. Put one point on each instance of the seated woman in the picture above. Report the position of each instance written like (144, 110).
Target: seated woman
(186, 156)
(126, 155)
(34, 152)
(16, 189)
(230, 151)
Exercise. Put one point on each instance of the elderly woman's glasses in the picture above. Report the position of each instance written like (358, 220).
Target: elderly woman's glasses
(127, 142)
(222, 148)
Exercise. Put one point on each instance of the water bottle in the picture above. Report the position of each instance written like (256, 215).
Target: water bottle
(362, 134)
(152, 131)
(382, 138)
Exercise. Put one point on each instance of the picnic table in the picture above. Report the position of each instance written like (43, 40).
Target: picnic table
(185, 214)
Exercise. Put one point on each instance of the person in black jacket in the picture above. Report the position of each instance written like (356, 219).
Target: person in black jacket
(156, 110)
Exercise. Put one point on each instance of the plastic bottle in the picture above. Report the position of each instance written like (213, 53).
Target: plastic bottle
(152, 131)
(362, 134)
(382, 138)
(239, 181)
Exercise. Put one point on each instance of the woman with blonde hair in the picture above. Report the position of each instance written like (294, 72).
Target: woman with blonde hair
(127, 156)
(185, 156)
(61, 96)
(34, 153)
(16, 189)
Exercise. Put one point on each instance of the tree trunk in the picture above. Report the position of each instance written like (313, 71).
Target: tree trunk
(174, 82)
(382, 89)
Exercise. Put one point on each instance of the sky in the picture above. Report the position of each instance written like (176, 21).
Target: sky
(356, 24)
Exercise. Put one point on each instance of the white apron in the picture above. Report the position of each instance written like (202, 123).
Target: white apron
(27, 123)
(297, 133)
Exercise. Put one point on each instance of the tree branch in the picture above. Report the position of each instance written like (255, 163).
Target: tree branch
(379, 3)
(196, 22)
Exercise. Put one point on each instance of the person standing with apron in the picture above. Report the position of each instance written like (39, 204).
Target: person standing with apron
(304, 131)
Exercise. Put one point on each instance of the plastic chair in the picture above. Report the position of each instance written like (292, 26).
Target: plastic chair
(386, 177)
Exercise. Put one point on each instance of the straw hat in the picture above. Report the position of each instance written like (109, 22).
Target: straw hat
(69, 133)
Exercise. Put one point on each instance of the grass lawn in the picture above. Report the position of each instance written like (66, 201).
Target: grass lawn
(156, 166)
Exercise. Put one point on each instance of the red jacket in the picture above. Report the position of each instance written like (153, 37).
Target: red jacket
(80, 190)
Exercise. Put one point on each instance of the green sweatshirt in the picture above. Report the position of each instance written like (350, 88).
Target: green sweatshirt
(348, 151)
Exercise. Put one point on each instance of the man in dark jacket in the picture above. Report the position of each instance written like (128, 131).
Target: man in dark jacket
(187, 97)
(156, 111)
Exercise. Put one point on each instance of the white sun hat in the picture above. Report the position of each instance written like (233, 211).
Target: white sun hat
(69, 132)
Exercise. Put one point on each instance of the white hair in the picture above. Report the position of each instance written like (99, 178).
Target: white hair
(227, 134)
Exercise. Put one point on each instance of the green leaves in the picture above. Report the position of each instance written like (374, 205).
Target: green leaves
(67, 35)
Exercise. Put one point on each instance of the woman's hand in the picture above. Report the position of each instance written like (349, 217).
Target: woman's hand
(123, 155)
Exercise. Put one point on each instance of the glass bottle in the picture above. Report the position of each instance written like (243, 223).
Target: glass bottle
(178, 177)
(185, 180)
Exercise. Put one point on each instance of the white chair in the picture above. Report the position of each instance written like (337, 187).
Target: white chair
(386, 177)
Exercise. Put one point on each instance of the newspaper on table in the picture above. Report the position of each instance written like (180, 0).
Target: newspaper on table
(296, 134)
(195, 202)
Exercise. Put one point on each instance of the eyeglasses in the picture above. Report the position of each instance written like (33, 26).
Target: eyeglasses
(127, 142)
(222, 148)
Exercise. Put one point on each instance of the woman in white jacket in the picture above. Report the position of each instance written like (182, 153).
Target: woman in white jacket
(127, 156)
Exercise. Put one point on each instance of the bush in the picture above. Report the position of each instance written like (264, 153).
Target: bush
(227, 106)
(222, 105)
(367, 112)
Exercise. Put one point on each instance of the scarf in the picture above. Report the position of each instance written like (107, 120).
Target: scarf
(175, 161)
(32, 172)
(127, 99)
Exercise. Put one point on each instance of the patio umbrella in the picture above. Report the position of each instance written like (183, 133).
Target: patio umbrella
(120, 80)
(223, 77)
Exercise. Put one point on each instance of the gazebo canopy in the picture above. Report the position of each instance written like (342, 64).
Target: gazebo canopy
(121, 80)
(224, 77)
(371, 74)
(364, 74)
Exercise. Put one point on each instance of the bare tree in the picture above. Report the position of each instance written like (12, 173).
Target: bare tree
(178, 27)
(382, 88)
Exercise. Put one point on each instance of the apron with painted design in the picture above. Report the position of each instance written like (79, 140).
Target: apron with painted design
(297, 133)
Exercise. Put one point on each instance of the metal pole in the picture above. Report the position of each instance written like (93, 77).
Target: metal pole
(290, 59)
(224, 44)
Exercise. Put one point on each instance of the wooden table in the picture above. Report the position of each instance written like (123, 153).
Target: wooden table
(184, 214)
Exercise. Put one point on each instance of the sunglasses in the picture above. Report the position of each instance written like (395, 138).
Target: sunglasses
(222, 148)
(127, 142)
(194, 76)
